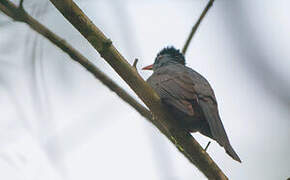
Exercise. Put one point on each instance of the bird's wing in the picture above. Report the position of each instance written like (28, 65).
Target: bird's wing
(208, 104)
(180, 89)
(175, 90)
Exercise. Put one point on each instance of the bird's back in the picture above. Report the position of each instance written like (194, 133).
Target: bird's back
(191, 78)
(176, 85)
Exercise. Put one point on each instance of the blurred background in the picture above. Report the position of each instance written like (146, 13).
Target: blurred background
(58, 122)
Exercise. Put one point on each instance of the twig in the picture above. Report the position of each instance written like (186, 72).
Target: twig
(21, 4)
(207, 145)
(135, 63)
(182, 140)
(195, 27)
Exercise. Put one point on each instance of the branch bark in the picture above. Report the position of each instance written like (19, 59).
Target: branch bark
(183, 140)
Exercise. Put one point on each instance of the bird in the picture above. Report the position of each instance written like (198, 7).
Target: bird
(188, 97)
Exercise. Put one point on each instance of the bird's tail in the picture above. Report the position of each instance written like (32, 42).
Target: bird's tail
(231, 152)
(217, 130)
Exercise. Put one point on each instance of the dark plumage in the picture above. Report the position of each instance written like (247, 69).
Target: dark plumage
(188, 96)
(175, 53)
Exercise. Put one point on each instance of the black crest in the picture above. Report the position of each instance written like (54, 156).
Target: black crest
(173, 52)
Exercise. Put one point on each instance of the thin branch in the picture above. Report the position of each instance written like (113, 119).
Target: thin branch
(13, 11)
(207, 145)
(195, 27)
(135, 64)
(21, 4)
(183, 140)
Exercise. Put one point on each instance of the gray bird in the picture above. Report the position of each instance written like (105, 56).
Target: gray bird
(188, 97)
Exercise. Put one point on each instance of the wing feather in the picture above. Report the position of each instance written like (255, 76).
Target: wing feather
(174, 91)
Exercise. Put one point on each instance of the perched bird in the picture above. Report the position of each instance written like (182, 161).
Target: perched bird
(188, 97)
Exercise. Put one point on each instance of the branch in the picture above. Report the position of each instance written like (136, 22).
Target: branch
(207, 145)
(21, 4)
(195, 27)
(183, 140)
(14, 12)
(135, 64)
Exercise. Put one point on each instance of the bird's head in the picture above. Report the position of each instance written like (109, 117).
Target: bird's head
(166, 56)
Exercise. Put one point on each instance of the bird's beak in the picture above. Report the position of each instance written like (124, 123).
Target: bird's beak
(150, 67)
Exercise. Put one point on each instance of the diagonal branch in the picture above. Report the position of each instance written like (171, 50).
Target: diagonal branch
(183, 140)
(19, 14)
(195, 27)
